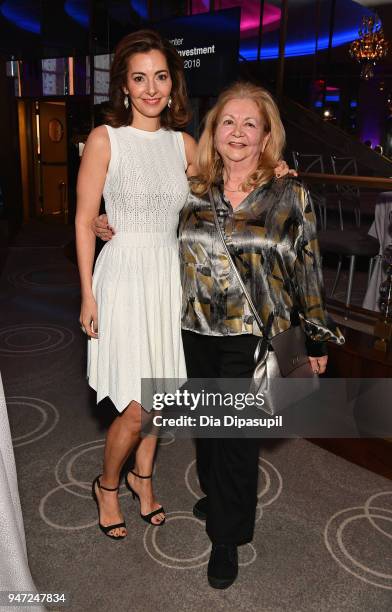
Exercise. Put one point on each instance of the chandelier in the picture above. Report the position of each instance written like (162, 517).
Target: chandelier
(370, 47)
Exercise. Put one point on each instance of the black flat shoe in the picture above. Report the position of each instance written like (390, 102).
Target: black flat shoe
(222, 566)
(145, 517)
(200, 509)
(104, 529)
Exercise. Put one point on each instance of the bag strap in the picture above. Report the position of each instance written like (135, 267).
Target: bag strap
(264, 330)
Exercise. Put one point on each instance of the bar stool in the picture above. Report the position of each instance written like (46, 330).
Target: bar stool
(313, 162)
(349, 194)
(350, 242)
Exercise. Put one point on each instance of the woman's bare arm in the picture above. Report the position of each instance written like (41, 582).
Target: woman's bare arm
(190, 152)
(91, 179)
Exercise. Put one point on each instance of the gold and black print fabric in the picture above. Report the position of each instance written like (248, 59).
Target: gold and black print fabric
(272, 238)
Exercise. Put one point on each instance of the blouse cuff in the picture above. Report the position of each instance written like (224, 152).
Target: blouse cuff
(316, 349)
(322, 332)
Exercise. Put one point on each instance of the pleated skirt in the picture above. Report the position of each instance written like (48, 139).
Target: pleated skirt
(137, 287)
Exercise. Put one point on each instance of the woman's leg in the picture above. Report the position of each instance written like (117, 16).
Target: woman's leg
(232, 495)
(144, 461)
(122, 437)
(201, 362)
(234, 463)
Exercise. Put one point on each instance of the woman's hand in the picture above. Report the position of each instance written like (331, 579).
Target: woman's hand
(282, 169)
(89, 317)
(319, 364)
(101, 228)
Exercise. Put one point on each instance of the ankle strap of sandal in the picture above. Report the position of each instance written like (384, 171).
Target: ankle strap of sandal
(138, 475)
(106, 488)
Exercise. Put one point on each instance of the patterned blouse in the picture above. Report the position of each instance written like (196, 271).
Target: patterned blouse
(272, 238)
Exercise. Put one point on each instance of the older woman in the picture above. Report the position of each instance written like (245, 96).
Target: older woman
(270, 229)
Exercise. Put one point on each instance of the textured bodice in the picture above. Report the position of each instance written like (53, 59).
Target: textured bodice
(146, 186)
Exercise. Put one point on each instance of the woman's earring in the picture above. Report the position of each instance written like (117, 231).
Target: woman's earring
(169, 102)
(126, 101)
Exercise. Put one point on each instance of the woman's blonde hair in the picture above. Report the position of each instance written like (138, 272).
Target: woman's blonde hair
(209, 162)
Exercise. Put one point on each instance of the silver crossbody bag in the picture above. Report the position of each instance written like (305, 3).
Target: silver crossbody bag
(283, 356)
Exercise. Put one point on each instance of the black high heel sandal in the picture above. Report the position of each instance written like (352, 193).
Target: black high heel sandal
(104, 529)
(145, 517)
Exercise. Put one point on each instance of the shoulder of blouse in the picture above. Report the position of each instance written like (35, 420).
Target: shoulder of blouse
(286, 187)
(289, 184)
(193, 198)
(192, 180)
(293, 188)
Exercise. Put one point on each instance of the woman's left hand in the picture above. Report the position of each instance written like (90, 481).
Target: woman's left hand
(282, 169)
(319, 364)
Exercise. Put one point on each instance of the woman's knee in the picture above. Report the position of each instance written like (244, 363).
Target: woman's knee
(132, 416)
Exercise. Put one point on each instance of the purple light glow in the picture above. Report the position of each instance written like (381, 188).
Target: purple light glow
(250, 14)
(374, 137)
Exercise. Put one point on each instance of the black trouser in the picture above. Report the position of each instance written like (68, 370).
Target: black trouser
(227, 467)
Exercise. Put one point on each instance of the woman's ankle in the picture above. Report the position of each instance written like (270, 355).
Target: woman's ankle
(109, 482)
(142, 473)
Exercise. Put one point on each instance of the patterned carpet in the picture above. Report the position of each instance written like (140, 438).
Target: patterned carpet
(323, 531)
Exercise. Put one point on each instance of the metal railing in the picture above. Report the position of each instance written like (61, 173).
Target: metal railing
(368, 182)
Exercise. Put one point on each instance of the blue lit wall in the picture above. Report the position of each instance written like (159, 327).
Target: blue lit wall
(301, 32)
(26, 15)
(140, 7)
(78, 10)
(23, 13)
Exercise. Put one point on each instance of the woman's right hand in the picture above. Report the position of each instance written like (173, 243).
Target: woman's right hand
(102, 229)
(319, 364)
(89, 317)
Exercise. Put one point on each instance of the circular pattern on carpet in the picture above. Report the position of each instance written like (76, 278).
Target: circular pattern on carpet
(23, 411)
(177, 561)
(34, 339)
(340, 550)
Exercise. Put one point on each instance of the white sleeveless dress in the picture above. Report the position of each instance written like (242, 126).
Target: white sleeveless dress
(136, 281)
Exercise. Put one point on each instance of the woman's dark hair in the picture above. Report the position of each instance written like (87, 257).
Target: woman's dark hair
(143, 41)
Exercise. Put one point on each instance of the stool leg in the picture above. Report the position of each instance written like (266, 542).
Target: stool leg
(359, 216)
(340, 215)
(350, 281)
(321, 216)
(372, 261)
(338, 270)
